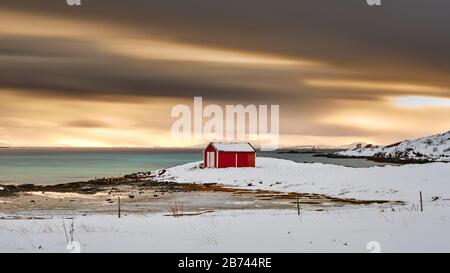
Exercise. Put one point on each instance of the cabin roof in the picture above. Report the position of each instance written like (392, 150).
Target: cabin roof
(233, 146)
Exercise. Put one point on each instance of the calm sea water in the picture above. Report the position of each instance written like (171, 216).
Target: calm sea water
(58, 165)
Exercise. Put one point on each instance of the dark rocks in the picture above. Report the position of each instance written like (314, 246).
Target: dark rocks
(6, 190)
(131, 196)
(25, 187)
(289, 152)
(88, 190)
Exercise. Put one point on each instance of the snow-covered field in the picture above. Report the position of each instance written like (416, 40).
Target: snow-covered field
(396, 183)
(392, 228)
(339, 230)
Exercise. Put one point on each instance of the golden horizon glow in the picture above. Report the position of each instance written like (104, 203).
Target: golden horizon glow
(373, 85)
(420, 101)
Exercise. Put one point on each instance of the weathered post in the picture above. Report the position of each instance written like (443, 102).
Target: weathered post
(298, 206)
(119, 206)
(421, 202)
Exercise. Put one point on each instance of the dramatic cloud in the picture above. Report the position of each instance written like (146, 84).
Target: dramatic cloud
(107, 73)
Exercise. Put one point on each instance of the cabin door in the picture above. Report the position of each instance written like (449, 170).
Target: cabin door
(210, 159)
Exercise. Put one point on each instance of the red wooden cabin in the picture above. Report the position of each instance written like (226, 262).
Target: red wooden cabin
(229, 154)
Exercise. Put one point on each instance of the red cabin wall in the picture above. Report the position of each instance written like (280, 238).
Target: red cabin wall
(244, 159)
(226, 159)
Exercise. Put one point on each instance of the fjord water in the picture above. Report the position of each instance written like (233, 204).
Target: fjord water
(60, 165)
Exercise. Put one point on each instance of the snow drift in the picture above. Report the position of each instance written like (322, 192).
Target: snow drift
(401, 183)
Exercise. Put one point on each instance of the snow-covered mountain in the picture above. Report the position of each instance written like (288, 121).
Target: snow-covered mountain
(430, 148)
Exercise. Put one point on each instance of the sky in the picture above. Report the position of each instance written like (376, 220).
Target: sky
(107, 73)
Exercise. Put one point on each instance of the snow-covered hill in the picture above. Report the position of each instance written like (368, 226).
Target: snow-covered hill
(430, 148)
(401, 183)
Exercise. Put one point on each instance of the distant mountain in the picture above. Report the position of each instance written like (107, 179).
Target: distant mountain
(426, 149)
(308, 147)
(353, 145)
(334, 147)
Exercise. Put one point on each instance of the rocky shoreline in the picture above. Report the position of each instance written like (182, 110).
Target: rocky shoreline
(391, 160)
(141, 193)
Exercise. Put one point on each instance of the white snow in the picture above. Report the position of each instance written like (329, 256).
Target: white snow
(401, 183)
(395, 228)
(365, 152)
(432, 148)
(340, 230)
(233, 146)
(59, 195)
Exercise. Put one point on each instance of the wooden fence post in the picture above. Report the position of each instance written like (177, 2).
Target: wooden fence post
(421, 202)
(119, 206)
